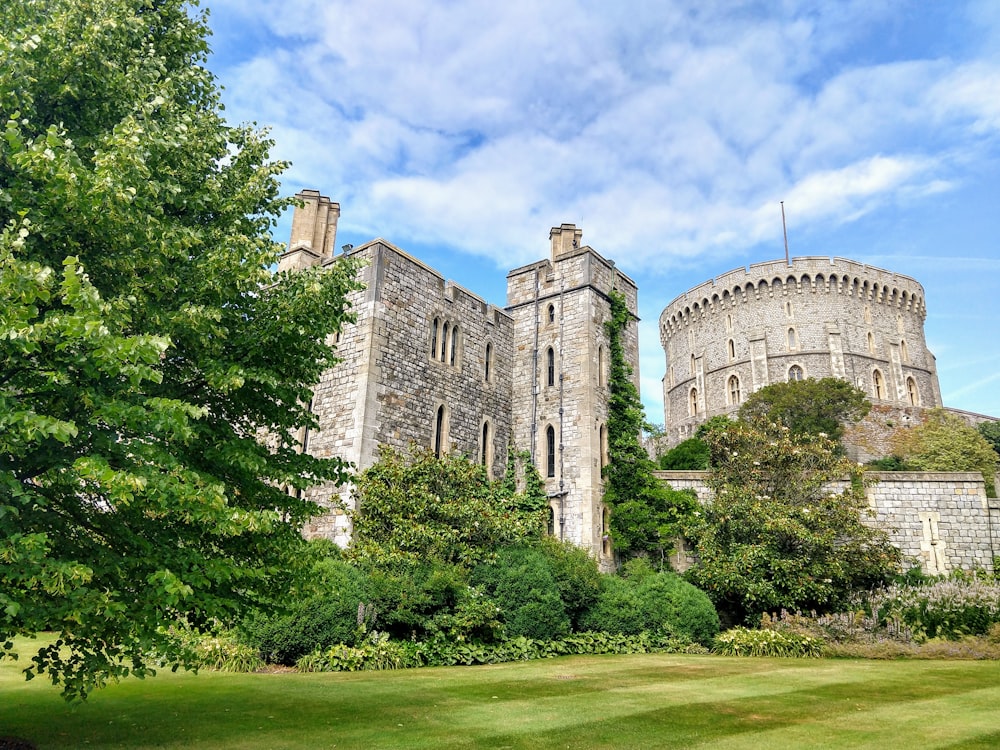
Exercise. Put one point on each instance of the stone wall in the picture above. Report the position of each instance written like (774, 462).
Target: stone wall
(426, 360)
(942, 520)
(775, 321)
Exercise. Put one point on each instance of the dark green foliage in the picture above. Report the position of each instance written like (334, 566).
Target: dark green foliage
(991, 432)
(318, 621)
(808, 407)
(575, 573)
(776, 535)
(691, 455)
(646, 516)
(147, 347)
(889, 463)
(521, 583)
(648, 601)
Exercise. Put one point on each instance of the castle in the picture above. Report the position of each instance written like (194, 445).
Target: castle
(429, 362)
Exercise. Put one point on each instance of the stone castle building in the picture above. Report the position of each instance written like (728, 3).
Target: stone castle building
(789, 320)
(430, 363)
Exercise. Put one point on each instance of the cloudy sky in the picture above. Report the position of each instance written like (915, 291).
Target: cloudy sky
(668, 130)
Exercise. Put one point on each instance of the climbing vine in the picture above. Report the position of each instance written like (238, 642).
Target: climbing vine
(646, 515)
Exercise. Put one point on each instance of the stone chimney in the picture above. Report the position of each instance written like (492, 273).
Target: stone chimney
(565, 239)
(314, 232)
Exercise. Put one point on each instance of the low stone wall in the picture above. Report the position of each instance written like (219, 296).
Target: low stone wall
(943, 520)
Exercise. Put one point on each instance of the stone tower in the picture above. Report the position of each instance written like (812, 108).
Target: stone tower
(560, 379)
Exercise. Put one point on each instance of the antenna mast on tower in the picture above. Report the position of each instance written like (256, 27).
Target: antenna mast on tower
(784, 230)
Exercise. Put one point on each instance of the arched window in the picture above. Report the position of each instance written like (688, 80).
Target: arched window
(793, 341)
(440, 432)
(788, 309)
(795, 373)
(552, 313)
(550, 451)
(731, 348)
(603, 437)
(871, 343)
(734, 390)
(434, 338)
(912, 392)
(692, 364)
(878, 385)
(454, 345)
(486, 449)
(693, 403)
(605, 536)
(904, 351)
(601, 377)
(729, 323)
(550, 367)
(489, 362)
(444, 342)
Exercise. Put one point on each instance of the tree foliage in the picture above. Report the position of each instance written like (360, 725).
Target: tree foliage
(418, 507)
(808, 407)
(784, 529)
(689, 455)
(646, 516)
(991, 432)
(145, 346)
(945, 442)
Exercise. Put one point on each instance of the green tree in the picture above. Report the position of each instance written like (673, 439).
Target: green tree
(689, 455)
(945, 442)
(784, 529)
(808, 407)
(145, 346)
(418, 507)
(646, 515)
(991, 431)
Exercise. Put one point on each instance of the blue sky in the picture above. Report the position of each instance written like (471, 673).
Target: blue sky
(668, 131)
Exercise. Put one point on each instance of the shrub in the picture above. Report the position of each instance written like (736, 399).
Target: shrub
(746, 642)
(946, 608)
(576, 576)
(522, 585)
(689, 455)
(316, 622)
(660, 603)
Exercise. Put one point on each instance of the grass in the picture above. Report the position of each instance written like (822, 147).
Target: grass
(641, 701)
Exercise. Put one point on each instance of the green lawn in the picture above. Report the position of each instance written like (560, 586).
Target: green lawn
(644, 701)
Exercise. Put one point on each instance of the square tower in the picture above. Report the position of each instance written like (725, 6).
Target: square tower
(560, 379)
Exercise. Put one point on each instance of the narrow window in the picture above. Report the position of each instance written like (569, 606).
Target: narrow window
(912, 392)
(693, 407)
(489, 362)
(444, 342)
(871, 343)
(692, 364)
(788, 309)
(878, 385)
(550, 451)
(792, 339)
(485, 452)
(794, 373)
(868, 315)
(603, 437)
(729, 323)
(552, 522)
(732, 350)
(734, 390)
(434, 338)
(904, 351)
(552, 313)
(454, 345)
(601, 379)
(439, 432)
(605, 536)
(550, 367)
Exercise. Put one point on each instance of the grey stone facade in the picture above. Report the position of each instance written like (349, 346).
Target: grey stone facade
(428, 362)
(942, 521)
(775, 321)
